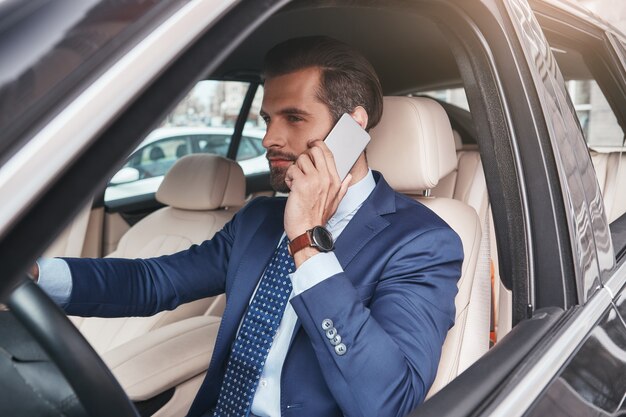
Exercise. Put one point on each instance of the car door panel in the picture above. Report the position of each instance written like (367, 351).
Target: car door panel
(472, 391)
(592, 383)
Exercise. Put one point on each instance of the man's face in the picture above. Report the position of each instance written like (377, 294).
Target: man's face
(295, 119)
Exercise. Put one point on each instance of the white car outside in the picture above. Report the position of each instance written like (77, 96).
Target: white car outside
(145, 168)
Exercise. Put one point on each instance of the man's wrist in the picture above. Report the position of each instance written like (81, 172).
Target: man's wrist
(318, 237)
(302, 229)
(303, 255)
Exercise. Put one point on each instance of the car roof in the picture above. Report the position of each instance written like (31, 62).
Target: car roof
(412, 42)
(408, 39)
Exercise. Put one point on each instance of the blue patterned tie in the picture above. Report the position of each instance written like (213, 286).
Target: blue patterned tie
(255, 337)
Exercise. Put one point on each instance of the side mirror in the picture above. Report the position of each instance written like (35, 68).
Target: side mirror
(124, 176)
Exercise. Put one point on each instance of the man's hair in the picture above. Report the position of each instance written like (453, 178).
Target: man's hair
(347, 79)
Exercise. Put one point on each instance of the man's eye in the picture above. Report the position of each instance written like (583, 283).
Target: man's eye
(266, 120)
(294, 119)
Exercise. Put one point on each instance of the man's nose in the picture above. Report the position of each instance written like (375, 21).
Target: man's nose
(273, 138)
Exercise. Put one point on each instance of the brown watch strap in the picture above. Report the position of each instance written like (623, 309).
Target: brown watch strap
(299, 243)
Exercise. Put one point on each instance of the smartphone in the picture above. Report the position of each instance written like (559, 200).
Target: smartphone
(346, 141)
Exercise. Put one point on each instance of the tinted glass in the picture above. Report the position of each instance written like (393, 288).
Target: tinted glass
(51, 49)
(594, 381)
(215, 144)
(157, 158)
(589, 83)
(247, 148)
(595, 115)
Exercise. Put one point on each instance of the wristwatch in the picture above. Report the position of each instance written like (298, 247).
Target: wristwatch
(318, 238)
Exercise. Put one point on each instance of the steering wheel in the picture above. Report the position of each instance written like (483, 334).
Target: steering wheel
(95, 386)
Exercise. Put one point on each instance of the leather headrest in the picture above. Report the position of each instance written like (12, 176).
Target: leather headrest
(413, 145)
(458, 142)
(203, 182)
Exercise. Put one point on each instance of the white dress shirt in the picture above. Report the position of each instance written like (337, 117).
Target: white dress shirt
(55, 278)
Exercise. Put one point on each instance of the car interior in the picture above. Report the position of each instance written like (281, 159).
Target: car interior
(160, 361)
(202, 192)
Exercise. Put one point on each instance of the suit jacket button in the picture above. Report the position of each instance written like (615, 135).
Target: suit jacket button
(327, 324)
(340, 349)
(331, 333)
(335, 340)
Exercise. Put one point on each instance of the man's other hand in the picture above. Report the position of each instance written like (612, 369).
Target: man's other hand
(315, 190)
(33, 272)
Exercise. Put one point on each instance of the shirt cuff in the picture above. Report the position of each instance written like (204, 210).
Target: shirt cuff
(314, 270)
(55, 278)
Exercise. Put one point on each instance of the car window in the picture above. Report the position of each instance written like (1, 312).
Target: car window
(215, 144)
(203, 122)
(253, 132)
(50, 50)
(157, 158)
(455, 96)
(248, 149)
(589, 83)
(595, 115)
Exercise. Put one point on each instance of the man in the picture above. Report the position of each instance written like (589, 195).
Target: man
(352, 329)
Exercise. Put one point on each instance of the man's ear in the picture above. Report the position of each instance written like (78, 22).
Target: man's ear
(360, 115)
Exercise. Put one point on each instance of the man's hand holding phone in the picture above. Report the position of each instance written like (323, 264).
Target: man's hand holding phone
(319, 180)
(316, 192)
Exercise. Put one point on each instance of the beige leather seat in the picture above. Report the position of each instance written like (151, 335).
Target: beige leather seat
(413, 146)
(71, 241)
(467, 184)
(610, 166)
(202, 193)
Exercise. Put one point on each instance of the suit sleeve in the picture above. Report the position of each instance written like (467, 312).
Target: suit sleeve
(393, 346)
(114, 287)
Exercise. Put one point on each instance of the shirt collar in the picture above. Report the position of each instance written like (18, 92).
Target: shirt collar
(354, 198)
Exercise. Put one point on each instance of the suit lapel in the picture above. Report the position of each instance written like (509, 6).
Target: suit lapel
(260, 250)
(366, 223)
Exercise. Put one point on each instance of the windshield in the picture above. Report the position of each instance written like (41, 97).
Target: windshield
(50, 49)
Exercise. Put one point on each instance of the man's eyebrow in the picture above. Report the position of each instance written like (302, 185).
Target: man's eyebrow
(294, 111)
(288, 111)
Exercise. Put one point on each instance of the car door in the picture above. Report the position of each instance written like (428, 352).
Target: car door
(588, 377)
(578, 368)
(585, 313)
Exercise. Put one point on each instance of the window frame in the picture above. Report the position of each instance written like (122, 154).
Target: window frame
(607, 64)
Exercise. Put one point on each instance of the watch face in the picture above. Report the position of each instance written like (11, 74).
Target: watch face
(322, 239)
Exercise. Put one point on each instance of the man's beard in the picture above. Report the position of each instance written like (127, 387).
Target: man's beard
(277, 179)
(277, 174)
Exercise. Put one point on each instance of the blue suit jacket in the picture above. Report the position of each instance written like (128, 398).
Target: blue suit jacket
(392, 305)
